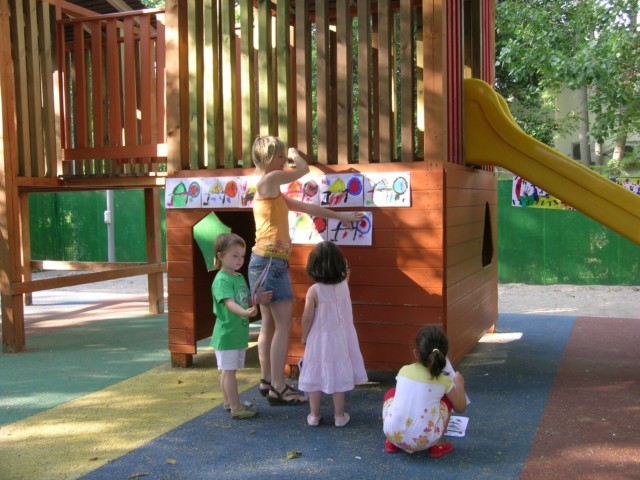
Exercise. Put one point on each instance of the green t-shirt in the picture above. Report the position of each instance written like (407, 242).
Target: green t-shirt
(231, 331)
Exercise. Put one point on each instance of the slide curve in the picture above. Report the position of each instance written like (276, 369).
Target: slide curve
(492, 137)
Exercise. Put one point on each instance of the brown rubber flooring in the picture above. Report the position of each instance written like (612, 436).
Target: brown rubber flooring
(590, 428)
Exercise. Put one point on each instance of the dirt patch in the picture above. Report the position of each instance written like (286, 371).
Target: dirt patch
(578, 300)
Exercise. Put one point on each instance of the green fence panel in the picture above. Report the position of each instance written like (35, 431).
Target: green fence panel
(535, 245)
(547, 247)
(70, 226)
(129, 226)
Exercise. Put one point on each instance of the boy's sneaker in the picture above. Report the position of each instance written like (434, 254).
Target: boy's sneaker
(313, 421)
(343, 420)
(244, 413)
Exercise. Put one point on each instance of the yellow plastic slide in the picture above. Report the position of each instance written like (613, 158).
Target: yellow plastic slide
(492, 137)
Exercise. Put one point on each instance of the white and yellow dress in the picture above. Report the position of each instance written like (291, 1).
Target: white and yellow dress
(415, 418)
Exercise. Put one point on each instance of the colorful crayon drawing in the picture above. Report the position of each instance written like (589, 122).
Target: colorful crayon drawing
(178, 195)
(526, 194)
(305, 189)
(387, 189)
(342, 190)
(360, 234)
(247, 190)
(220, 192)
(305, 229)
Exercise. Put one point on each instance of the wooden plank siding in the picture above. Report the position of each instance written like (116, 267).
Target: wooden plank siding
(399, 291)
(471, 287)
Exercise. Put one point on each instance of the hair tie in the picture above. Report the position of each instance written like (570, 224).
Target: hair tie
(435, 350)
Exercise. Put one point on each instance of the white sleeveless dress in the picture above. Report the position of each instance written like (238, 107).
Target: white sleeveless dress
(332, 359)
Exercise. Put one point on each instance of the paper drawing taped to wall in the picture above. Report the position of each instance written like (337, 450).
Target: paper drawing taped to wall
(342, 190)
(182, 193)
(220, 192)
(308, 230)
(305, 229)
(526, 194)
(247, 190)
(305, 189)
(360, 234)
(387, 189)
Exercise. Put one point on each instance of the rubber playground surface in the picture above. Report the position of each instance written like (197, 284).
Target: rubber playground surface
(94, 397)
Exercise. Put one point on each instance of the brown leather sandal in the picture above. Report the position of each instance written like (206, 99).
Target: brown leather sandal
(264, 391)
(282, 398)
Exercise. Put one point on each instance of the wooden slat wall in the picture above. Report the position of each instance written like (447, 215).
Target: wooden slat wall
(279, 89)
(471, 288)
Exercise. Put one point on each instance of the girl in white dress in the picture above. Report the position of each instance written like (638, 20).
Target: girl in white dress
(332, 362)
(416, 412)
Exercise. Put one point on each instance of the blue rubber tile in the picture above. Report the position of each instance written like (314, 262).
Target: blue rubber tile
(68, 363)
(508, 384)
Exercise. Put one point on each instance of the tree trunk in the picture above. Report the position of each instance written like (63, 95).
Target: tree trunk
(618, 149)
(585, 150)
(598, 153)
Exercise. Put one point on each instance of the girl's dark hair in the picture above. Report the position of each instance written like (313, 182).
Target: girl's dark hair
(432, 347)
(224, 242)
(326, 264)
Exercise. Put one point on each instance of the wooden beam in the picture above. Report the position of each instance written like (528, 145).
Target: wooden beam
(19, 288)
(344, 83)
(323, 83)
(304, 124)
(247, 76)
(434, 80)
(88, 183)
(407, 76)
(13, 339)
(283, 64)
(265, 70)
(385, 80)
(364, 81)
(154, 248)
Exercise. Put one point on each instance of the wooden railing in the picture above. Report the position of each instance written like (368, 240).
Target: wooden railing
(112, 93)
(344, 81)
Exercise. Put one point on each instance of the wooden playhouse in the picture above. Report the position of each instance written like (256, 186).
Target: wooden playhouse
(356, 86)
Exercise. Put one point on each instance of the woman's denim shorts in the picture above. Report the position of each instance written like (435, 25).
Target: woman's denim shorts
(277, 279)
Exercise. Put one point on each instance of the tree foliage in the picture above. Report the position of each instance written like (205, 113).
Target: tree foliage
(153, 3)
(544, 45)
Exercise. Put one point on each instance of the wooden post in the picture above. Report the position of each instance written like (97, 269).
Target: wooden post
(10, 247)
(154, 248)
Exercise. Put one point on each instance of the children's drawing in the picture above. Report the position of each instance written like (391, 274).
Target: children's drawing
(220, 192)
(342, 190)
(183, 193)
(360, 234)
(391, 189)
(305, 189)
(526, 194)
(247, 190)
(307, 230)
